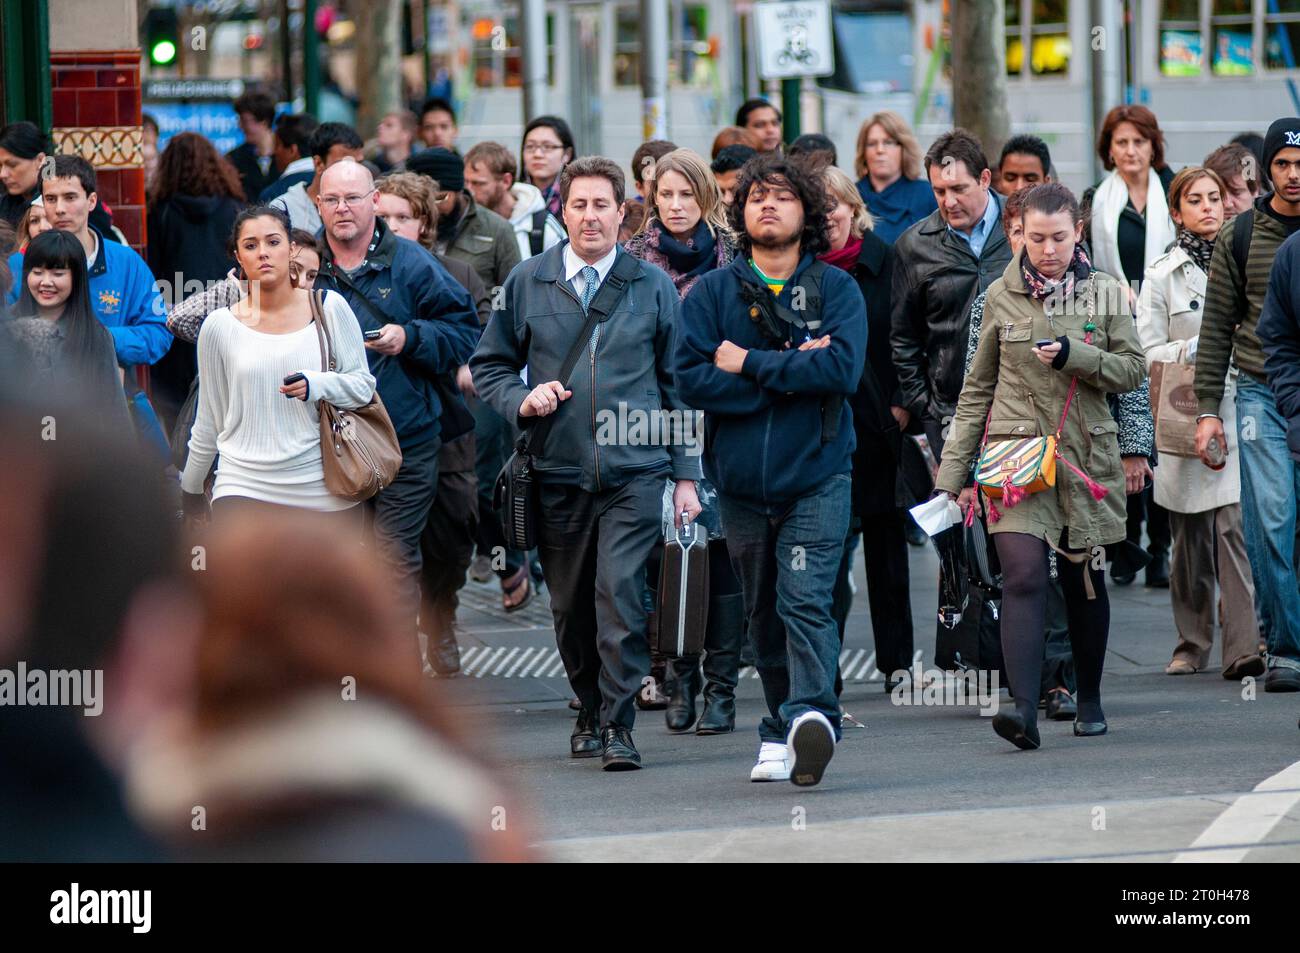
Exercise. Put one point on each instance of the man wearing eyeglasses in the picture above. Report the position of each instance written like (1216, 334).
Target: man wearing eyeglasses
(427, 329)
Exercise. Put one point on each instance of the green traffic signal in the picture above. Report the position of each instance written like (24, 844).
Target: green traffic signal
(163, 52)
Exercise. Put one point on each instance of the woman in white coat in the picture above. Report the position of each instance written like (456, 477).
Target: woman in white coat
(1204, 505)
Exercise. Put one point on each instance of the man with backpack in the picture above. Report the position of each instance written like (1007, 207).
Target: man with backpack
(1230, 337)
(490, 175)
(770, 348)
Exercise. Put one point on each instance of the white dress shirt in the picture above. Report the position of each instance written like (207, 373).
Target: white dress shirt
(573, 266)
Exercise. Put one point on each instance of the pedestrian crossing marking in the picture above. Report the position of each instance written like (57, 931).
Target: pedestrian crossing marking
(856, 665)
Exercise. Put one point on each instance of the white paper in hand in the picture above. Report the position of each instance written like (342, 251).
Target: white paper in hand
(936, 515)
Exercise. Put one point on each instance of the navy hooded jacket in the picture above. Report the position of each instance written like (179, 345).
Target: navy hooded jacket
(763, 426)
(408, 286)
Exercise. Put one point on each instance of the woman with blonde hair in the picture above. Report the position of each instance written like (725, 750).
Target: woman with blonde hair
(685, 231)
(877, 515)
(888, 163)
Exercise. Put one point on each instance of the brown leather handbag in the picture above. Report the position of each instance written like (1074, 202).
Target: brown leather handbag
(359, 450)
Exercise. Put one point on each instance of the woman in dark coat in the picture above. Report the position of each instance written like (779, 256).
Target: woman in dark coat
(195, 198)
(877, 421)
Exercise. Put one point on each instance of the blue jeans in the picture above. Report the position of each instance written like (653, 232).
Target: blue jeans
(787, 562)
(1270, 482)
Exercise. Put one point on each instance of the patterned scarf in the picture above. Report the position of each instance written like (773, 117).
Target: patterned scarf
(1041, 288)
(1198, 249)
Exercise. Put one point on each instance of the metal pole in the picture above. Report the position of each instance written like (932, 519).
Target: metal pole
(310, 59)
(654, 69)
(286, 51)
(1106, 63)
(791, 120)
(533, 56)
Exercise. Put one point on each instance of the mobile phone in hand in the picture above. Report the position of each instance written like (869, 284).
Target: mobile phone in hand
(294, 378)
(1043, 342)
(372, 335)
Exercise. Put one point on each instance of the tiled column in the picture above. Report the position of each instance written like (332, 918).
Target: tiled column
(96, 106)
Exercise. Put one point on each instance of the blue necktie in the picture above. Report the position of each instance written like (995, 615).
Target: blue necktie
(591, 279)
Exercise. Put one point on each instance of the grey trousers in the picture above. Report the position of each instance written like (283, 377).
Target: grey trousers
(1211, 546)
(594, 548)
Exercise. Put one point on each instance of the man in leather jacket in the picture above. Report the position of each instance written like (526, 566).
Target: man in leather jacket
(941, 264)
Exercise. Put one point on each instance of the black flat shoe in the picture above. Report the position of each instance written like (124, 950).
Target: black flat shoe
(620, 753)
(584, 742)
(680, 713)
(1011, 726)
(1061, 706)
(719, 717)
(1087, 729)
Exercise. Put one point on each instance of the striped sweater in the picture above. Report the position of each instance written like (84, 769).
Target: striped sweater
(1229, 306)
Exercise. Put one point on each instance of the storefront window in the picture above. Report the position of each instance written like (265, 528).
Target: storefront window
(1046, 36)
(1282, 34)
(1232, 50)
(1182, 52)
(496, 55)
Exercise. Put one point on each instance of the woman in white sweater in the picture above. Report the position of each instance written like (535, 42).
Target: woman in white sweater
(266, 433)
(1204, 505)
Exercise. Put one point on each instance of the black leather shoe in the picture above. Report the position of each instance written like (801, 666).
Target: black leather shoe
(682, 676)
(1011, 725)
(1158, 571)
(1061, 705)
(1282, 680)
(584, 742)
(620, 753)
(1087, 729)
(444, 653)
(721, 666)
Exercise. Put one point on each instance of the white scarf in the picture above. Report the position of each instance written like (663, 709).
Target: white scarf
(1108, 203)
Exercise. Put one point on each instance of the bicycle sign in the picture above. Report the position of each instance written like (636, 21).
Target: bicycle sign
(794, 38)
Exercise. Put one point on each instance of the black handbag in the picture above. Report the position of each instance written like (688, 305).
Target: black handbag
(515, 493)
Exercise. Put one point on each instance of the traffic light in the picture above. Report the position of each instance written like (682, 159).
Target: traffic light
(162, 36)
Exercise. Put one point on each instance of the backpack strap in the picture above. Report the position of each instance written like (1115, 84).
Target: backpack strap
(1241, 233)
(537, 234)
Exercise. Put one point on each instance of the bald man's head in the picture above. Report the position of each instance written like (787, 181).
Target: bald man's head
(347, 203)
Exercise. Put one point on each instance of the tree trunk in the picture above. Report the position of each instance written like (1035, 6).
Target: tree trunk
(979, 72)
(379, 66)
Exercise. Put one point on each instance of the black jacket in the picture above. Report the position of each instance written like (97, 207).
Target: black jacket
(190, 235)
(875, 458)
(244, 158)
(1279, 336)
(408, 287)
(936, 277)
(628, 377)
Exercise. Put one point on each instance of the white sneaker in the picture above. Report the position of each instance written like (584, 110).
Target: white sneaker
(773, 764)
(811, 744)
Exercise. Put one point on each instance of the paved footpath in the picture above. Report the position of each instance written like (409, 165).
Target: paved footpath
(1191, 770)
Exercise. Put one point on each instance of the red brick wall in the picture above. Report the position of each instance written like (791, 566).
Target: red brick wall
(97, 115)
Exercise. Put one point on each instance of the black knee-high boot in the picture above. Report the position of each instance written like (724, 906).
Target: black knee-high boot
(722, 663)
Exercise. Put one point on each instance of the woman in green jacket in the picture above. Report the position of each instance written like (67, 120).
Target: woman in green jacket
(1057, 337)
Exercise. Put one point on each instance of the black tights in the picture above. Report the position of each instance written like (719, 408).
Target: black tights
(1024, 605)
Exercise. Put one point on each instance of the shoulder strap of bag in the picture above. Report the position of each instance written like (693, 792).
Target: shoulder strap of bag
(606, 301)
(318, 315)
(337, 274)
(1241, 232)
(537, 234)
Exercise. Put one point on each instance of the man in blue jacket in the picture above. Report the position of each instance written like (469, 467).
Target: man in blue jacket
(122, 289)
(769, 348)
(428, 328)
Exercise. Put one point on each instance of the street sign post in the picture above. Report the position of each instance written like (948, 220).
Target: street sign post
(794, 38)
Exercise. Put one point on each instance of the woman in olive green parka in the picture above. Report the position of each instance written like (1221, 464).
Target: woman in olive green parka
(1020, 390)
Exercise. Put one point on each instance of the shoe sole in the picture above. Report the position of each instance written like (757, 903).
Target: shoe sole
(766, 780)
(813, 748)
(715, 731)
(622, 764)
(1090, 734)
(586, 754)
(1008, 729)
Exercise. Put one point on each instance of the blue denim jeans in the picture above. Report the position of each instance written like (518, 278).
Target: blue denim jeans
(787, 562)
(1270, 482)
